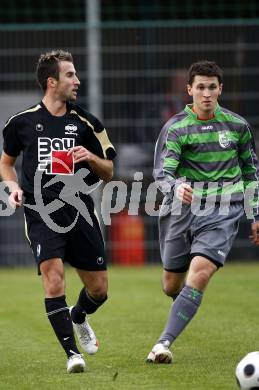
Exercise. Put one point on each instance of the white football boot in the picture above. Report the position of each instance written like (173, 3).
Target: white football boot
(75, 364)
(160, 354)
(86, 336)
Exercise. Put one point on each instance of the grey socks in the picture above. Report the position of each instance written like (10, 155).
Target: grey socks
(183, 310)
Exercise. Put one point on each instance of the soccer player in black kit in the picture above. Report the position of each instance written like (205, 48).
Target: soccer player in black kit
(59, 139)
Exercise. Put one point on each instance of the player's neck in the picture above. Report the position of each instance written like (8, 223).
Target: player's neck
(203, 116)
(55, 107)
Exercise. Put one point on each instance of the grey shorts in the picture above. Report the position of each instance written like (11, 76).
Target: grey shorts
(186, 235)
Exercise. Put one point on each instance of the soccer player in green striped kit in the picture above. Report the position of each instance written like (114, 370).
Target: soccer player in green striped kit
(204, 156)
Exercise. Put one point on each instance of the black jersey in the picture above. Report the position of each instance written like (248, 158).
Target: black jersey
(44, 140)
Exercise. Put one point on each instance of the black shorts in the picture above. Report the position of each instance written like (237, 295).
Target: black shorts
(82, 246)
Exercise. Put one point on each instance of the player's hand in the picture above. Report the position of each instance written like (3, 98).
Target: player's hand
(184, 193)
(81, 154)
(15, 199)
(255, 233)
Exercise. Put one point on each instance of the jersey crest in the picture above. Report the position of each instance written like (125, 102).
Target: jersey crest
(52, 156)
(224, 139)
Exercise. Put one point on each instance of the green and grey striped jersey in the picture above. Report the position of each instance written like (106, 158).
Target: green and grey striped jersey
(219, 153)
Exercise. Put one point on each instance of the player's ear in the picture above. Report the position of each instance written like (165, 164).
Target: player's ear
(189, 89)
(51, 82)
(220, 88)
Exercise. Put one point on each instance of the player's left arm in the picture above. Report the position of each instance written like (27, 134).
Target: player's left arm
(255, 233)
(250, 175)
(103, 168)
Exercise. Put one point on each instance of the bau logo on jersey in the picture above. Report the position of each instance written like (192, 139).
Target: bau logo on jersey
(52, 155)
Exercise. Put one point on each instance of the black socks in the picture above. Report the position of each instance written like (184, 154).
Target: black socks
(59, 317)
(85, 305)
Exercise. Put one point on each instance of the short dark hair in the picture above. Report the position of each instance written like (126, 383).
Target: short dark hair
(48, 66)
(204, 68)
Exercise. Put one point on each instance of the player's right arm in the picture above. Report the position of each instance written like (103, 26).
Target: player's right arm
(9, 175)
(173, 148)
(184, 192)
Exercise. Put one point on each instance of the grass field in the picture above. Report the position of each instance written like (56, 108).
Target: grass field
(205, 355)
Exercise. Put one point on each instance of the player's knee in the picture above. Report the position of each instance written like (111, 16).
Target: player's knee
(98, 288)
(169, 290)
(171, 285)
(99, 293)
(201, 271)
(52, 272)
(166, 289)
(201, 279)
(54, 284)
